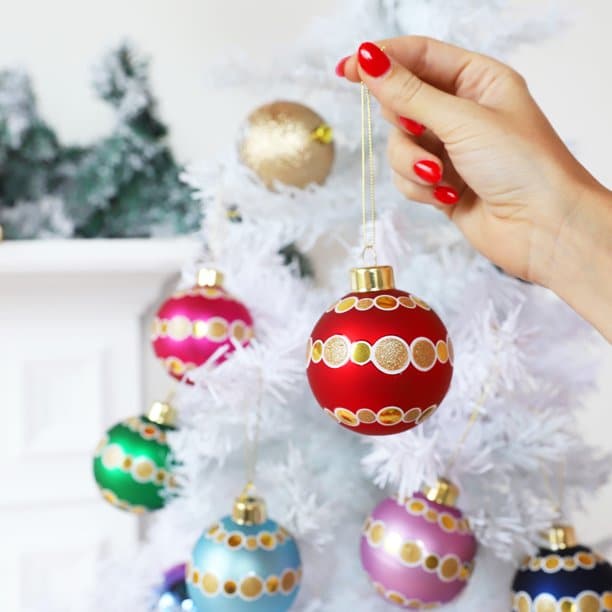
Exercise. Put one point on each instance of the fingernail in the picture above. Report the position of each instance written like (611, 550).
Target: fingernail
(373, 60)
(446, 195)
(411, 126)
(428, 170)
(340, 66)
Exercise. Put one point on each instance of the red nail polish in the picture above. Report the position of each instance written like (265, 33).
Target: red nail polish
(428, 170)
(446, 195)
(411, 126)
(340, 66)
(373, 59)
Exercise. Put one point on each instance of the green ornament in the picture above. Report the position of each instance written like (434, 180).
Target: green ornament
(132, 464)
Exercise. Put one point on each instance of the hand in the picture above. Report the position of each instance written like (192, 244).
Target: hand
(489, 157)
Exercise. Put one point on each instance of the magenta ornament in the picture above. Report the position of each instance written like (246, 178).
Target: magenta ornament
(192, 325)
(419, 553)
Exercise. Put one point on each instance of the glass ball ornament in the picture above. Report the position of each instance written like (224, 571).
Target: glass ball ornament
(380, 360)
(132, 463)
(245, 562)
(192, 325)
(172, 594)
(563, 576)
(289, 143)
(419, 553)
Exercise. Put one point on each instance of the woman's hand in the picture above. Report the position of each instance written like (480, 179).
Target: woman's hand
(491, 160)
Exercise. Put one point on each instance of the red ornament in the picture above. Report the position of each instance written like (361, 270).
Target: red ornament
(192, 325)
(379, 360)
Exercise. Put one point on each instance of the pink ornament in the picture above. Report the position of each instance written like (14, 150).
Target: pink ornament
(192, 325)
(419, 552)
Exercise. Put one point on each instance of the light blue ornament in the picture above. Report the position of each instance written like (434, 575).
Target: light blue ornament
(245, 563)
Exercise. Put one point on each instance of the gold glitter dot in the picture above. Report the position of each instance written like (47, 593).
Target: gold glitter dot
(217, 329)
(552, 563)
(272, 584)
(251, 587)
(365, 304)
(127, 463)
(377, 533)
(210, 583)
(113, 456)
(412, 415)
(586, 560)
(416, 506)
(346, 417)
(143, 469)
(238, 331)
(431, 562)
(346, 304)
(235, 540)
(109, 496)
(406, 301)
(423, 354)
(179, 328)
(380, 589)
(395, 598)
(442, 351)
(391, 355)
(391, 415)
(569, 563)
(175, 365)
(251, 543)
(308, 350)
(317, 351)
(288, 580)
(569, 606)
(606, 600)
(523, 603)
(267, 540)
(360, 352)
(160, 476)
(221, 537)
(431, 516)
(426, 414)
(335, 351)
(451, 350)
(419, 302)
(545, 603)
(386, 302)
(230, 587)
(448, 522)
(200, 329)
(588, 603)
(365, 415)
(411, 553)
(449, 568)
(535, 563)
(212, 530)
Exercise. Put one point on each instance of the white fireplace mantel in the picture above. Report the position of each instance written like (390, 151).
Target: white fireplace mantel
(73, 322)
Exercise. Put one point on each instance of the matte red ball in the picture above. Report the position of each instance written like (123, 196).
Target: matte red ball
(192, 325)
(380, 362)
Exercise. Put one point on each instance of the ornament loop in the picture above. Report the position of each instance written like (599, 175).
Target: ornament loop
(249, 508)
(444, 492)
(162, 413)
(209, 277)
(560, 537)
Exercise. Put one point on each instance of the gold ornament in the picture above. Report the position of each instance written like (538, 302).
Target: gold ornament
(289, 143)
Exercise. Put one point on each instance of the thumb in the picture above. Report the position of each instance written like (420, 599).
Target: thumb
(405, 94)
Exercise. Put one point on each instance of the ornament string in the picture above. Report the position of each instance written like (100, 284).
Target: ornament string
(368, 191)
(556, 498)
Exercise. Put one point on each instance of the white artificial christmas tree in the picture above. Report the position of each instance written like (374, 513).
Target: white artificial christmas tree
(518, 357)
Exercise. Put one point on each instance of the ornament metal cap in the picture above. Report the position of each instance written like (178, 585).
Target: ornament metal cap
(373, 278)
(249, 508)
(162, 413)
(209, 277)
(444, 492)
(560, 537)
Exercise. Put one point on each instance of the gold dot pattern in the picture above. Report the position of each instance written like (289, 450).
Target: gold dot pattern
(399, 600)
(235, 540)
(388, 416)
(111, 498)
(551, 564)
(587, 601)
(248, 588)
(389, 354)
(413, 554)
(446, 522)
(142, 469)
(216, 329)
(381, 302)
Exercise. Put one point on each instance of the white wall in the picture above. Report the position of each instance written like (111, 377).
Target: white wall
(58, 41)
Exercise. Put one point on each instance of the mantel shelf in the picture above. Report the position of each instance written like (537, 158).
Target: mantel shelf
(159, 255)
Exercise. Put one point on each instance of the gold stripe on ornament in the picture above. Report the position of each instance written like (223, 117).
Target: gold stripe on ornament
(215, 329)
(586, 601)
(383, 302)
(552, 564)
(111, 498)
(388, 416)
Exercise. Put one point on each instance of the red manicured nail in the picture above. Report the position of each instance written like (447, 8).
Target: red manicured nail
(373, 59)
(340, 66)
(411, 126)
(446, 195)
(428, 170)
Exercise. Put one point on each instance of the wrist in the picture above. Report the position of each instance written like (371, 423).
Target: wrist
(581, 257)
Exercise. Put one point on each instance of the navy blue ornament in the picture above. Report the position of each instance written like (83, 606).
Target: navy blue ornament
(245, 563)
(172, 596)
(563, 577)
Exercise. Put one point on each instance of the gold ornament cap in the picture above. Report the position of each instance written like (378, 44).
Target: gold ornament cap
(444, 492)
(373, 278)
(560, 537)
(162, 413)
(209, 277)
(249, 508)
